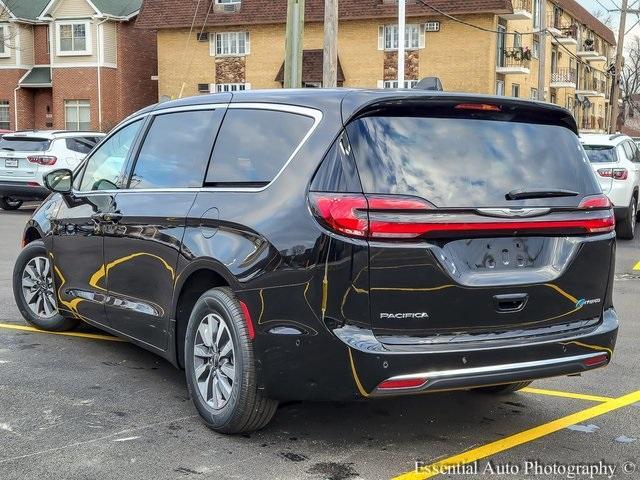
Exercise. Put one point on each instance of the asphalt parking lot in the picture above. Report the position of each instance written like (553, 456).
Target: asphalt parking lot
(85, 406)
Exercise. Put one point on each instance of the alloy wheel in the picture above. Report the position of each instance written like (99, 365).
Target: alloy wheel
(214, 361)
(37, 287)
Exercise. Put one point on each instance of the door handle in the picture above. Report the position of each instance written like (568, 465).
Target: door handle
(511, 302)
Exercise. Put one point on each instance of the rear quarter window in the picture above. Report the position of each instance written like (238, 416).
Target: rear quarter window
(254, 145)
(81, 145)
(468, 162)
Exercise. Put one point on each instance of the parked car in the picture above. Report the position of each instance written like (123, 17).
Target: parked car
(616, 161)
(25, 157)
(332, 245)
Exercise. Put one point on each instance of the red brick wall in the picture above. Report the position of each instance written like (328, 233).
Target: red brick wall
(8, 82)
(110, 99)
(74, 84)
(40, 42)
(137, 62)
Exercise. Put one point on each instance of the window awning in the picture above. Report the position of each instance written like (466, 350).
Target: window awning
(37, 77)
(311, 67)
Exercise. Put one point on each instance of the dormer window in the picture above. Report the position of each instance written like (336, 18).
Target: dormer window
(74, 37)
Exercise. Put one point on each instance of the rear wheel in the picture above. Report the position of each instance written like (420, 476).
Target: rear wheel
(221, 368)
(8, 203)
(503, 389)
(34, 291)
(626, 228)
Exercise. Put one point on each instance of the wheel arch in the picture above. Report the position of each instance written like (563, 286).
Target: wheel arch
(192, 283)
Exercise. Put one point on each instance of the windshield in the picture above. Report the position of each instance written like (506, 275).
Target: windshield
(466, 162)
(600, 154)
(23, 144)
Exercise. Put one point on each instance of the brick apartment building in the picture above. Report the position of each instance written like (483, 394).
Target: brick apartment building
(73, 64)
(240, 44)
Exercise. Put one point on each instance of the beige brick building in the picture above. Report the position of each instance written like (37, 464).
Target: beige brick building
(240, 44)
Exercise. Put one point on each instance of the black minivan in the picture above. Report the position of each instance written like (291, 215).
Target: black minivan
(332, 245)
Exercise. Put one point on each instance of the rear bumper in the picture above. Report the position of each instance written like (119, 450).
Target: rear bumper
(23, 191)
(352, 364)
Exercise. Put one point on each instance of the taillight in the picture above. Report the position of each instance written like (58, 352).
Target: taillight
(42, 159)
(615, 173)
(398, 217)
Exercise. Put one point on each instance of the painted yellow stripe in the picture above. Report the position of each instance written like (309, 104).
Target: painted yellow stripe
(356, 379)
(92, 336)
(637, 266)
(558, 393)
(568, 296)
(522, 437)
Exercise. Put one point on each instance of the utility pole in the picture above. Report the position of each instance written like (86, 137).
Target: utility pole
(401, 43)
(330, 56)
(542, 61)
(293, 47)
(615, 109)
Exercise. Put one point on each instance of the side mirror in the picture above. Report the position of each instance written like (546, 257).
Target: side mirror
(60, 180)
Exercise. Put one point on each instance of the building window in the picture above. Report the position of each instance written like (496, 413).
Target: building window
(515, 90)
(535, 6)
(77, 115)
(411, 35)
(534, 94)
(232, 87)
(230, 43)
(74, 38)
(535, 52)
(517, 40)
(394, 84)
(4, 36)
(5, 124)
(500, 87)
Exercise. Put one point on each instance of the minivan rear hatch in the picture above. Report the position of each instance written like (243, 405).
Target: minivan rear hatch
(483, 219)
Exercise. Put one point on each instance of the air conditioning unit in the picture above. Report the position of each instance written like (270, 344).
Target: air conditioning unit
(228, 7)
(203, 36)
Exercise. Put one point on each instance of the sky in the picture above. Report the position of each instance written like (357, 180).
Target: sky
(593, 6)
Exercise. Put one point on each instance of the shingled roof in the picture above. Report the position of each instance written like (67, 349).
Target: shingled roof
(159, 14)
(582, 15)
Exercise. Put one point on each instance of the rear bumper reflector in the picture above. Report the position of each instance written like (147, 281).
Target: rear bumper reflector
(247, 317)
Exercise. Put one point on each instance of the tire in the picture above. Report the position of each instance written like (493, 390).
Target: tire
(626, 228)
(8, 203)
(33, 272)
(224, 370)
(503, 389)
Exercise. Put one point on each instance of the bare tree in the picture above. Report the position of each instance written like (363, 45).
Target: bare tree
(7, 36)
(631, 79)
(604, 17)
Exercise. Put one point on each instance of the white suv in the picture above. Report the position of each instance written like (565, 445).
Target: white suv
(25, 157)
(616, 161)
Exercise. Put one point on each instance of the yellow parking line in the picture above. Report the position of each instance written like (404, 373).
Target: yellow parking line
(92, 336)
(637, 266)
(558, 393)
(521, 438)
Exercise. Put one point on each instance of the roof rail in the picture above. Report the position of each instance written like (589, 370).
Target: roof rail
(616, 135)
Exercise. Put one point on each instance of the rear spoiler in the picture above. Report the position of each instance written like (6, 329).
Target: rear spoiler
(444, 105)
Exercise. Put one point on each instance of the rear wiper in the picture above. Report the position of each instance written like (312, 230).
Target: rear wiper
(522, 194)
(9, 149)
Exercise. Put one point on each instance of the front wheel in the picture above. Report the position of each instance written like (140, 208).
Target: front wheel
(626, 228)
(34, 291)
(503, 389)
(221, 368)
(8, 203)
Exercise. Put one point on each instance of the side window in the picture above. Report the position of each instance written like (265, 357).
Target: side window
(629, 153)
(81, 144)
(622, 154)
(635, 153)
(176, 150)
(338, 173)
(254, 145)
(104, 169)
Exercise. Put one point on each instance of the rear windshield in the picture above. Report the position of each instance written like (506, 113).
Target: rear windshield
(600, 154)
(22, 144)
(463, 162)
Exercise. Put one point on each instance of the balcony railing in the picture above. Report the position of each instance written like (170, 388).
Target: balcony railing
(565, 26)
(516, 57)
(564, 75)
